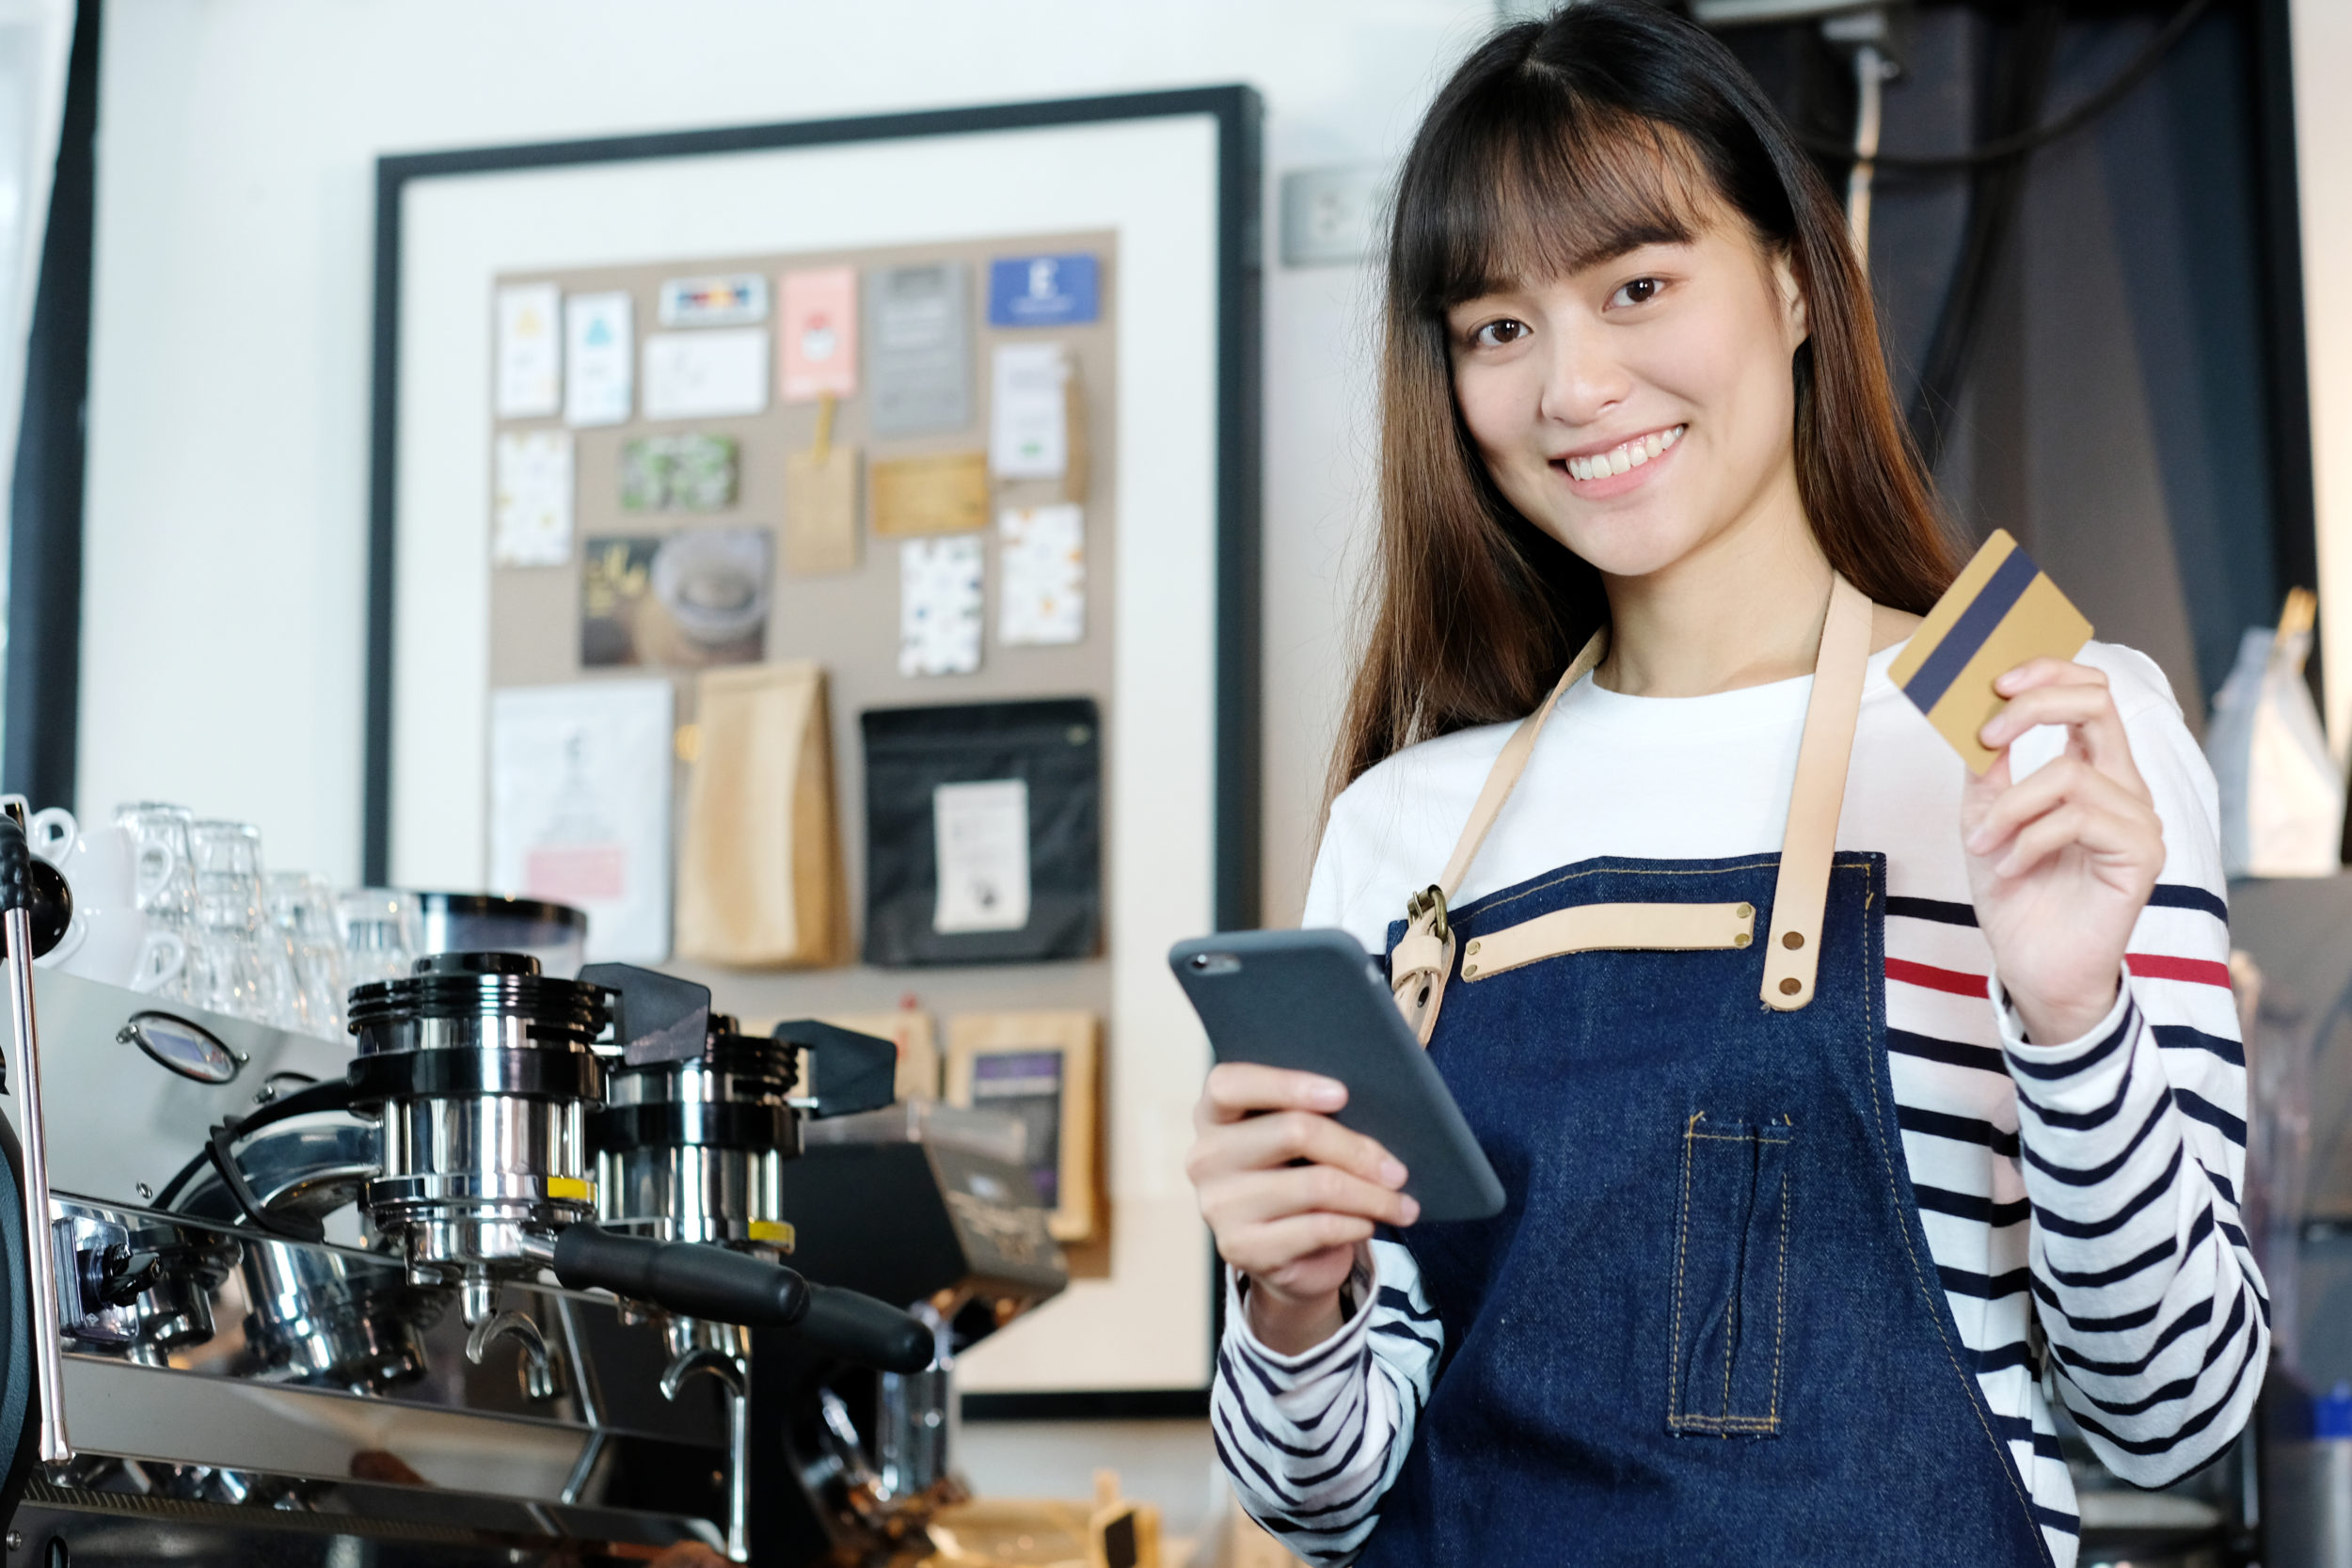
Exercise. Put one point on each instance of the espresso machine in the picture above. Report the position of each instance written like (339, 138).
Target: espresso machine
(691, 1147)
(702, 1140)
(268, 1300)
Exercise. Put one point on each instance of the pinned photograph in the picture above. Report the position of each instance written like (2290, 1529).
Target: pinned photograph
(686, 600)
(678, 473)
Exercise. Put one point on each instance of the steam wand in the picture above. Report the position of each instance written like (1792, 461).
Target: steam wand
(16, 921)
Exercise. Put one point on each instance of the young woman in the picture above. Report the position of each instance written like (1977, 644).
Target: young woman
(1850, 1108)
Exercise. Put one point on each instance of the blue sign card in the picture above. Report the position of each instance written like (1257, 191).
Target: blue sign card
(1043, 291)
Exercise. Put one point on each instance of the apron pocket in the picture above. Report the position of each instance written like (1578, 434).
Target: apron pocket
(1729, 1290)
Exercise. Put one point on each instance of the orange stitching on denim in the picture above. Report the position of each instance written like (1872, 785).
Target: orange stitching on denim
(1682, 1256)
(1479, 912)
(1780, 1299)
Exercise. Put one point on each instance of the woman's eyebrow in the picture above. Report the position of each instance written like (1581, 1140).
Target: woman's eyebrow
(1617, 246)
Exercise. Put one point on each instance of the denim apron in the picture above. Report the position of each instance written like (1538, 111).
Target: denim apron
(1706, 1327)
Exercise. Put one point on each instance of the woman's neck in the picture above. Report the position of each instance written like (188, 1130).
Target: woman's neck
(1742, 609)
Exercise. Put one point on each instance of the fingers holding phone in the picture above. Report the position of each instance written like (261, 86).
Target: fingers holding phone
(1288, 1194)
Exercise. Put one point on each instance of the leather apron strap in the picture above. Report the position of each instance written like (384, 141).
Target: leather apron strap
(1424, 956)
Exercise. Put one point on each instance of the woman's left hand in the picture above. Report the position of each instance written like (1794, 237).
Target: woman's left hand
(2061, 863)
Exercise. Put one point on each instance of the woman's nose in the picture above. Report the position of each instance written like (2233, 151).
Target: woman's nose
(1582, 380)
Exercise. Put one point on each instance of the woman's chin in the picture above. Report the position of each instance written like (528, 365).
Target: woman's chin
(1622, 544)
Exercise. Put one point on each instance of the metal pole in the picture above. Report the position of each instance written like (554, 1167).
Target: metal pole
(1870, 74)
(39, 1248)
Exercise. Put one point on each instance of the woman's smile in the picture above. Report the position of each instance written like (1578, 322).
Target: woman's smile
(1600, 471)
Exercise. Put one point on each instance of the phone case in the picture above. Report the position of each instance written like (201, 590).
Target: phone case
(1315, 1002)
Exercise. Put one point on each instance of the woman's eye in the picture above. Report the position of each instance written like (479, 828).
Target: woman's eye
(1640, 292)
(1496, 334)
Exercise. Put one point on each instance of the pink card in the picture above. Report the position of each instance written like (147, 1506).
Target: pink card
(819, 333)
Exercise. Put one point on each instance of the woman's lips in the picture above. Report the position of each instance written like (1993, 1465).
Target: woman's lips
(1620, 467)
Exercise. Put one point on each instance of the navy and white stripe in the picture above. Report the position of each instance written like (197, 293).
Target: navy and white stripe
(2087, 1189)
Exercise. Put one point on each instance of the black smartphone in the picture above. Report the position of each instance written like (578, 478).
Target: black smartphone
(1316, 1002)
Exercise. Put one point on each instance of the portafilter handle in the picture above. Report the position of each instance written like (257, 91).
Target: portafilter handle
(735, 1288)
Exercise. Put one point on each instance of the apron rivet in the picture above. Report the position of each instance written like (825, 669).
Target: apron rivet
(1474, 947)
(1791, 986)
(1792, 940)
(1468, 969)
(1745, 911)
(1741, 940)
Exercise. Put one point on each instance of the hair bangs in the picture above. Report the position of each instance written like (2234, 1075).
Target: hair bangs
(1538, 183)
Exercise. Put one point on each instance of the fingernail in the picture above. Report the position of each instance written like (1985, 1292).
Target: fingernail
(1392, 1173)
(1328, 1094)
(1411, 1211)
(1977, 840)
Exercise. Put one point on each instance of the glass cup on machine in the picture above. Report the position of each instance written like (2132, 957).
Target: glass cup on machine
(164, 882)
(302, 912)
(382, 930)
(242, 970)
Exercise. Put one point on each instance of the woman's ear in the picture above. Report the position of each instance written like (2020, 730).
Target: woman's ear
(1791, 300)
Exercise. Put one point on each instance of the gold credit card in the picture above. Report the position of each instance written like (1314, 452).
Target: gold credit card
(2001, 611)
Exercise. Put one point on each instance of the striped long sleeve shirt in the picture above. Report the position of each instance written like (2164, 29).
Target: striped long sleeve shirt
(2085, 1192)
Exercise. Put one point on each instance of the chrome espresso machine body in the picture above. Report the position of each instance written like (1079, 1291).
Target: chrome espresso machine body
(705, 1143)
(295, 1303)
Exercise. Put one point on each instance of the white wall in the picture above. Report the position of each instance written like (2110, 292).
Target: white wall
(225, 602)
(2322, 130)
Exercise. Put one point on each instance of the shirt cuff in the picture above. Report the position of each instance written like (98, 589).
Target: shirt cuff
(2078, 1065)
(1358, 1294)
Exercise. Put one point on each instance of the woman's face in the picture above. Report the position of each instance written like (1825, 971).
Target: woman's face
(1642, 407)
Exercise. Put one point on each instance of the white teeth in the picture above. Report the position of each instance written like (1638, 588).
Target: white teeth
(1632, 454)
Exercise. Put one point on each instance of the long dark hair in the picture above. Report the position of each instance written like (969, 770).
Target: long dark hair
(1557, 144)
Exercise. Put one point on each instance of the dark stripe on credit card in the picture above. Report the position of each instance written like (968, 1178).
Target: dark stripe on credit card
(2001, 595)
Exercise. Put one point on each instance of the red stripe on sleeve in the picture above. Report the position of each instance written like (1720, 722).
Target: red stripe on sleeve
(2164, 966)
(1938, 979)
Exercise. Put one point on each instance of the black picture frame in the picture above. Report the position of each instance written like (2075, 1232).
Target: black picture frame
(1238, 114)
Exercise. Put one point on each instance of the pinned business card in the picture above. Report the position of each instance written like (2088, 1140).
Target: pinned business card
(2000, 613)
(1043, 291)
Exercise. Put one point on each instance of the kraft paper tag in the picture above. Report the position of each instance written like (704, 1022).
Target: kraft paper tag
(820, 502)
(913, 496)
(2001, 611)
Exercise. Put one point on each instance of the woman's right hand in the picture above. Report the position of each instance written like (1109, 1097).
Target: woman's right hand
(1288, 1194)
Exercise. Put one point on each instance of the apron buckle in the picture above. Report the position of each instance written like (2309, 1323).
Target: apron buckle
(1428, 899)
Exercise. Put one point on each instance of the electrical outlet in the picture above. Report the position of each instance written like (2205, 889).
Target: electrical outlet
(1330, 215)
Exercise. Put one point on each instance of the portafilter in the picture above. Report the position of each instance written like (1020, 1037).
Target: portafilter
(698, 1122)
(481, 1072)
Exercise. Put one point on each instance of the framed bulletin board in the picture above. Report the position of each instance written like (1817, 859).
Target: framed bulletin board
(1160, 190)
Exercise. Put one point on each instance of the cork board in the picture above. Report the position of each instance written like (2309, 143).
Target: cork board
(847, 622)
